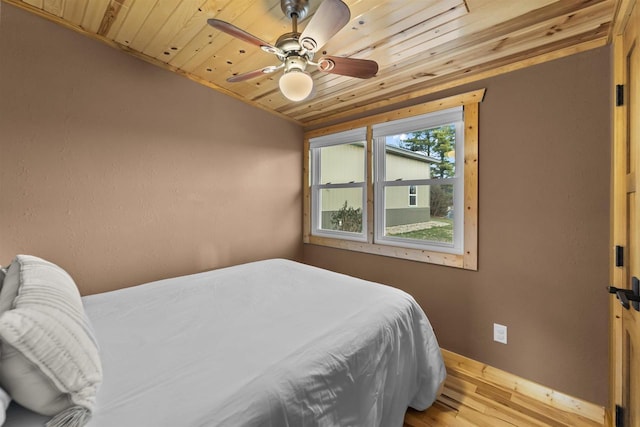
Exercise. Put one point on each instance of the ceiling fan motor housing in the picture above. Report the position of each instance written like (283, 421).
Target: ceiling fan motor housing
(289, 46)
(295, 62)
(288, 42)
(299, 8)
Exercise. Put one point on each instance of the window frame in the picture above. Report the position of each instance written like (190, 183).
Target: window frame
(468, 259)
(451, 116)
(351, 137)
(413, 194)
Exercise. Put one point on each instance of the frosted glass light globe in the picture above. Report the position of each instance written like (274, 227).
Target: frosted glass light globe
(296, 85)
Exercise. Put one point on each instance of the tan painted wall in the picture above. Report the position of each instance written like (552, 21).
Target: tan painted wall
(543, 232)
(123, 173)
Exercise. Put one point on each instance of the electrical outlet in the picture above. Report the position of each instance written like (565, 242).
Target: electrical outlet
(499, 333)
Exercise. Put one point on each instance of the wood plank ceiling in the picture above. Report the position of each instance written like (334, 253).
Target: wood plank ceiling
(420, 45)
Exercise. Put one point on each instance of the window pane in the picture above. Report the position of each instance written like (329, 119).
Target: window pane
(424, 154)
(413, 195)
(431, 219)
(340, 164)
(341, 209)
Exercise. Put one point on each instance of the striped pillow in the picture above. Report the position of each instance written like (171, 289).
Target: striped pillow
(43, 325)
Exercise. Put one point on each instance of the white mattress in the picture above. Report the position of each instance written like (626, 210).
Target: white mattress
(271, 343)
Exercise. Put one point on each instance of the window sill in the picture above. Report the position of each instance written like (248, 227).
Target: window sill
(464, 261)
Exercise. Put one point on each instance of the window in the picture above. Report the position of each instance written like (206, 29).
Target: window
(401, 184)
(420, 154)
(413, 195)
(338, 189)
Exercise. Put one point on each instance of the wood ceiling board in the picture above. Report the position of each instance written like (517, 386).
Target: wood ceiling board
(54, 7)
(418, 45)
(432, 15)
(537, 56)
(387, 19)
(366, 36)
(114, 18)
(455, 55)
(136, 15)
(430, 31)
(209, 40)
(491, 13)
(506, 7)
(231, 58)
(232, 64)
(35, 3)
(345, 101)
(94, 15)
(226, 48)
(184, 19)
(191, 29)
(448, 82)
(525, 40)
(259, 89)
(472, 34)
(425, 51)
(74, 11)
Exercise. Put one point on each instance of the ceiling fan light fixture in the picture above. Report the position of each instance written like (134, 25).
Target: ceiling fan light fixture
(296, 85)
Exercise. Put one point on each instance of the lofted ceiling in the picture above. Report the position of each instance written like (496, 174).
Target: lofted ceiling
(421, 46)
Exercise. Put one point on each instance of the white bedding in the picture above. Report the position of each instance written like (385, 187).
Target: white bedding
(271, 343)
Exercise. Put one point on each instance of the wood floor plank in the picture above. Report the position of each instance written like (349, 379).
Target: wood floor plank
(475, 395)
(480, 419)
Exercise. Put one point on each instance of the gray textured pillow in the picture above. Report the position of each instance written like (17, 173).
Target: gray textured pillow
(49, 360)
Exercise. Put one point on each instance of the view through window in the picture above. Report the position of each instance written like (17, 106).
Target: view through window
(401, 184)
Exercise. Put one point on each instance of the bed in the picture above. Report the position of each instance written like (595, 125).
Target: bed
(269, 343)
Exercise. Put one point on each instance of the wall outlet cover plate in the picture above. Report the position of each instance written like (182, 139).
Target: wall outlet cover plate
(500, 333)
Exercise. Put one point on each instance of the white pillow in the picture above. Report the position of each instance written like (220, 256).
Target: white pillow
(49, 360)
(5, 399)
(3, 272)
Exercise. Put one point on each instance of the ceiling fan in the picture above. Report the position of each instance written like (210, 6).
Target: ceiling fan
(296, 50)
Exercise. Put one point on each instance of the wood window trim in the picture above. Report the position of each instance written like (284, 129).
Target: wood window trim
(469, 258)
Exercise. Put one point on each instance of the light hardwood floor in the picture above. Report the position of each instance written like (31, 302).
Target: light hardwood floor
(473, 399)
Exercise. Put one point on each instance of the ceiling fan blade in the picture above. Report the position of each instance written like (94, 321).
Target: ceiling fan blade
(236, 32)
(254, 74)
(360, 68)
(330, 17)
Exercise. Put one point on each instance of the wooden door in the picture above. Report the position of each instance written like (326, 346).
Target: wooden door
(625, 374)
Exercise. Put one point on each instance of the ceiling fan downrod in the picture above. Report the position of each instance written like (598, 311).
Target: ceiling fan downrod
(297, 8)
